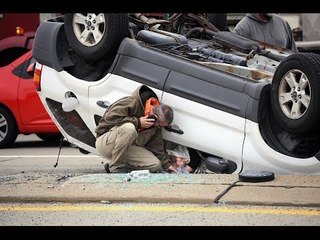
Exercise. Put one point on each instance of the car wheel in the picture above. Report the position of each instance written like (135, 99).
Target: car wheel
(8, 128)
(295, 93)
(95, 36)
(50, 137)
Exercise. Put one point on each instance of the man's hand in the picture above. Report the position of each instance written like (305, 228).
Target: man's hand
(146, 122)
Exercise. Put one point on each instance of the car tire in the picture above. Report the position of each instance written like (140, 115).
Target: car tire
(112, 28)
(50, 137)
(8, 128)
(296, 86)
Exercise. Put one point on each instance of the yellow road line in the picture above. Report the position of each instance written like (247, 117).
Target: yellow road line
(148, 208)
(49, 156)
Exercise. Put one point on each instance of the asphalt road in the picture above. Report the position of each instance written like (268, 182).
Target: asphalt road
(31, 154)
(77, 192)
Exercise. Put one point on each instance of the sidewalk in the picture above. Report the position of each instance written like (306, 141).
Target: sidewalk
(161, 188)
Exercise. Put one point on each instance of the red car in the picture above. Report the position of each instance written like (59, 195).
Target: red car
(21, 111)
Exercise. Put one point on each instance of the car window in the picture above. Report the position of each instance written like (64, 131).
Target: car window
(21, 70)
(7, 56)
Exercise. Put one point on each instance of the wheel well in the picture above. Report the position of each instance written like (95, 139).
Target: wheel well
(294, 145)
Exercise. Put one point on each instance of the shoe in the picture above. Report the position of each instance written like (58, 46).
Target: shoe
(106, 167)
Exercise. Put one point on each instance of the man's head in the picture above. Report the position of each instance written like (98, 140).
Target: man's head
(164, 115)
(180, 153)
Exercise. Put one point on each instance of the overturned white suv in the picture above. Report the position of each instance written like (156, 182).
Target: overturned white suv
(244, 104)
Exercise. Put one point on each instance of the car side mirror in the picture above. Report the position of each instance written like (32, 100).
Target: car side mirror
(174, 128)
(30, 69)
(220, 165)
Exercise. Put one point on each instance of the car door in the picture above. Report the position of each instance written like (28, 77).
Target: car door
(203, 111)
(32, 113)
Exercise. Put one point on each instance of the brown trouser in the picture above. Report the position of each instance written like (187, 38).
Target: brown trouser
(119, 145)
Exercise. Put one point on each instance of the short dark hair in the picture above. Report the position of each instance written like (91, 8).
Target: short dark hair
(164, 113)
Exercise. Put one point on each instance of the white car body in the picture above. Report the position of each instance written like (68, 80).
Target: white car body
(211, 130)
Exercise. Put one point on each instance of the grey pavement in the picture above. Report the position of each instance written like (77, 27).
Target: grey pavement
(161, 188)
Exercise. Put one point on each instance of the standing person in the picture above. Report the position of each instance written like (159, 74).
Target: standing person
(129, 133)
(267, 27)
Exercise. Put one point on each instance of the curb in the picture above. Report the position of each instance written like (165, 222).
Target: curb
(161, 188)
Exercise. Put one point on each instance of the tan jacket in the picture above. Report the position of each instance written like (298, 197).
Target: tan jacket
(130, 109)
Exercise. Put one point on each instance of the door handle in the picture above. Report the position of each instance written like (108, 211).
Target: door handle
(104, 104)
